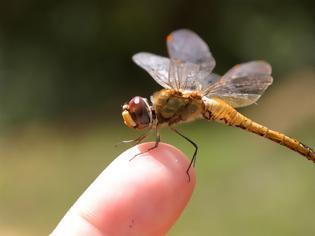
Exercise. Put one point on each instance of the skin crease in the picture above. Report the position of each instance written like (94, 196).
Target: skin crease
(142, 196)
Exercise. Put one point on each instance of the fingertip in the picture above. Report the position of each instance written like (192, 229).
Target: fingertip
(139, 195)
(163, 186)
(169, 157)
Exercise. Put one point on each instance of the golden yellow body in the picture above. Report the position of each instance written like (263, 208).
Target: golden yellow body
(172, 107)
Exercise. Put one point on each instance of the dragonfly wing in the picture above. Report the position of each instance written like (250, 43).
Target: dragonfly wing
(240, 100)
(187, 46)
(190, 76)
(156, 66)
(201, 81)
(243, 84)
(208, 80)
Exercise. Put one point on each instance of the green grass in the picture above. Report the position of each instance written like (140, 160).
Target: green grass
(245, 185)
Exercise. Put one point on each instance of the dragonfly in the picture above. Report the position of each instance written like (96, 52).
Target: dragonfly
(191, 91)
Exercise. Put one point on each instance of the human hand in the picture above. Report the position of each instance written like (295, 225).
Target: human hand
(144, 196)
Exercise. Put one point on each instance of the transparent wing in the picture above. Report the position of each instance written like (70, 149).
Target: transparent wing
(187, 46)
(243, 84)
(174, 74)
(190, 76)
(156, 66)
(209, 80)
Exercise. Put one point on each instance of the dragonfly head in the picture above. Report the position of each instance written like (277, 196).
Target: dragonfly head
(137, 113)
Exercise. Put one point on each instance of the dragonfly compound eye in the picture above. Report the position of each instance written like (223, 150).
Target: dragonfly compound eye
(137, 113)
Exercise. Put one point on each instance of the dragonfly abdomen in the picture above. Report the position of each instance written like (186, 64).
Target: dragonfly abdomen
(219, 110)
(278, 137)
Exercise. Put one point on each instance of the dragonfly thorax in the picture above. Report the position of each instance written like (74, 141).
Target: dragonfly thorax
(137, 113)
(174, 106)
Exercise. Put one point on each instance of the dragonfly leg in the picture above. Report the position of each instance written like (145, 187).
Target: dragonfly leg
(194, 158)
(157, 140)
(135, 141)
(156, 144)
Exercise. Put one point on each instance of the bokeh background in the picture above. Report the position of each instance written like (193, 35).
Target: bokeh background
(66, 69)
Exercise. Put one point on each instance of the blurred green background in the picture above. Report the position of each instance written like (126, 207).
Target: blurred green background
(66, 69)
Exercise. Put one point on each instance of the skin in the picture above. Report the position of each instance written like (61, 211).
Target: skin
(142, 196)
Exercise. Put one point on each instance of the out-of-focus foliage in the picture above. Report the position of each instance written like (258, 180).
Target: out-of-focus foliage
(68, 58)
(66, 69)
